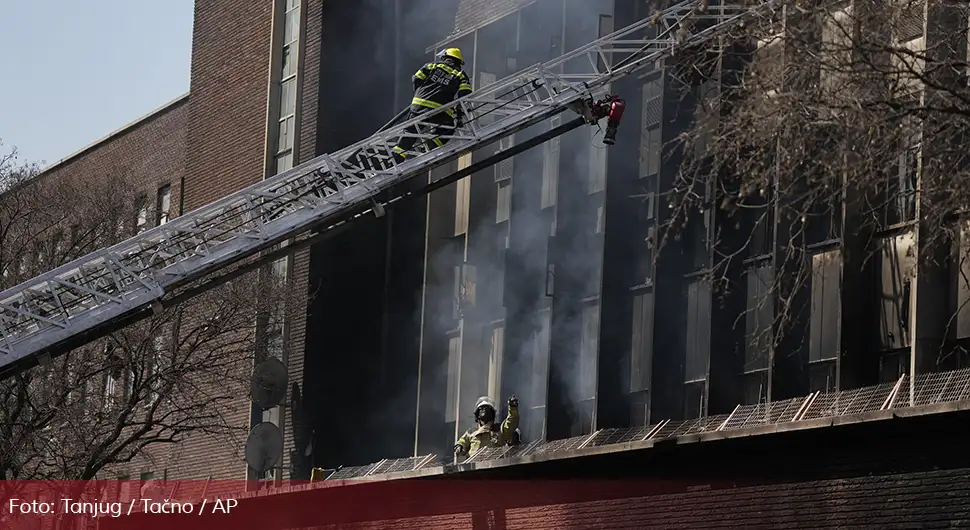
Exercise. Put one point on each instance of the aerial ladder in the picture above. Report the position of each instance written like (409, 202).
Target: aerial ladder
(92, 296)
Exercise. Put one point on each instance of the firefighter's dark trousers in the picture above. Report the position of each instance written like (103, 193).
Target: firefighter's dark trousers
(440, 124)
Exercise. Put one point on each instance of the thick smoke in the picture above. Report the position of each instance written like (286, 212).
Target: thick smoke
(530, 227)
(409, 29)
(369, 50)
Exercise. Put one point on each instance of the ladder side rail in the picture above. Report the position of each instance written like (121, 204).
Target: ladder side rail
(188, 247)
(154, 286)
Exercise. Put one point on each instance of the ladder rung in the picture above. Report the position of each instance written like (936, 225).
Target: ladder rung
(83, 296)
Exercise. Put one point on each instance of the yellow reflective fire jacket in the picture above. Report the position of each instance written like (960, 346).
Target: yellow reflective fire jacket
(494, 435)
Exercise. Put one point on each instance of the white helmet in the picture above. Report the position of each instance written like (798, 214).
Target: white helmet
(485, 401)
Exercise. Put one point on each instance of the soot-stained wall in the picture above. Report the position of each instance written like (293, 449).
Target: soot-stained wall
(363, 323)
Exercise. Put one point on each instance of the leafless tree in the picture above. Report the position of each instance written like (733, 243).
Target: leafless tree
(145, 386)
(823, 115)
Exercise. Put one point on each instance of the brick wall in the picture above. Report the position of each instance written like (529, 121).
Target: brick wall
(932, 499)
(149, 154)
(136, 160)
(306, 150)
(893, 473)
(226, 131)
(227, 119)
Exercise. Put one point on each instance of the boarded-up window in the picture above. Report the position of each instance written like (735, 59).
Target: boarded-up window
(503, 200)
(496, 352)
(505, 168)
(646, 215)
(456, 291)
(641, 347)
(451, 389)
(652, 152)
(826, 306)
(838, 32)
(895, 291)
(540, 360)
(462, 197)
(550, 167)
(908, 19)
(963, 283)
(650, 142)
(698, 343)
(589, 350)
(759, 317)
(550, 279)
(597, 164)
(902, 188)
(652, 93)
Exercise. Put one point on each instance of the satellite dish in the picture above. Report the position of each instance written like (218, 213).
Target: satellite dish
(267, 387)
(264, 447)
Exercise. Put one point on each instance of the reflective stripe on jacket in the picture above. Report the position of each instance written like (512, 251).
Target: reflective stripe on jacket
(494, 435)
(437, 84)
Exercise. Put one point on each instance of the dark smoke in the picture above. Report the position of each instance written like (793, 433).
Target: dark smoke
(531, 227)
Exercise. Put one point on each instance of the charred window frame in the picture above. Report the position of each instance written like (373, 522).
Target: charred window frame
(651, 143)
(589, 349)
(550, 166)
(697, 347)
(759, 332)
(908, 20)
(535, 424)
(961, 267)
(641, 344)
(897, 266)
(453, 377)
(503, 200)
(647, 227)
(463, 197)
(901, 190)
(597, 164)
(825, 320)
(496, 356)
(503, 182)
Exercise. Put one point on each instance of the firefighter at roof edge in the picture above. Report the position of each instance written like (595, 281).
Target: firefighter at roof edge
(488, 433)
(436, 84)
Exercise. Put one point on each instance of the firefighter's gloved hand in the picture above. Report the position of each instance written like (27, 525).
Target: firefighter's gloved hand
(513, 402)
(458, 450)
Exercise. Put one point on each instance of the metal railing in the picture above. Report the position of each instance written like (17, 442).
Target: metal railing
(926, 390)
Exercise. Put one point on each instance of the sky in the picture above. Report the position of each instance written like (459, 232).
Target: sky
(74, 71)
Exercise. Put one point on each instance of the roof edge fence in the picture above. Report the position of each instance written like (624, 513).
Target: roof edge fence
(923, 390)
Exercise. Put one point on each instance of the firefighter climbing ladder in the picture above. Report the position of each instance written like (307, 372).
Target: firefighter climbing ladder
(80, 301)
